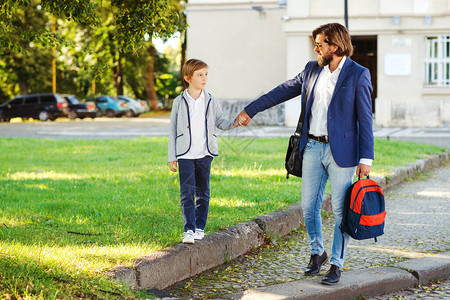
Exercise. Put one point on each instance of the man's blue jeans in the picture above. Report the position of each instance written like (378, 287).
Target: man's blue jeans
(194, 191)
(318, 166)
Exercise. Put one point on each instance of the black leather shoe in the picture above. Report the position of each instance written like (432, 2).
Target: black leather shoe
(333, 275)
(315, 263)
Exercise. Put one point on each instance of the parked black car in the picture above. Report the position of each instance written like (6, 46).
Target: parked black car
(79, 109)
(37, 106)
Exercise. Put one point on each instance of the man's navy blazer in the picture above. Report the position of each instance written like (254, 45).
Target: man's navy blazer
(349, 119)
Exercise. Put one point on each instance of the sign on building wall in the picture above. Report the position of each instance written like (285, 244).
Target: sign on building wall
(397, 64)
(402, 42)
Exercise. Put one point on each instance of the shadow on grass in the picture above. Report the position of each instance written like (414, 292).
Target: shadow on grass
(22, 277)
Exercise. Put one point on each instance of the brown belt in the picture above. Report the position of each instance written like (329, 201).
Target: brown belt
(320, 139)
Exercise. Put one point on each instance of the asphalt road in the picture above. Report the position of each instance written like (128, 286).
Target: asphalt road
(110, 128)
(98, 128)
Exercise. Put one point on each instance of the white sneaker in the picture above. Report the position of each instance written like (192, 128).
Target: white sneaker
(188, 237)
(199, 234)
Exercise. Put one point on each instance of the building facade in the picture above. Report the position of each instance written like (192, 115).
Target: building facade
(251, 46)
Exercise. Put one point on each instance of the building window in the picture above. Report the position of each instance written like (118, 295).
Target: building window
(437, 62)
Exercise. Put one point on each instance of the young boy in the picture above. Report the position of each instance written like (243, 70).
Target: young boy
(193, 144)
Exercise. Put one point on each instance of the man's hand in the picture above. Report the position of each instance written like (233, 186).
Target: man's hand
(242, 119)
(173, 165)
(362, 170)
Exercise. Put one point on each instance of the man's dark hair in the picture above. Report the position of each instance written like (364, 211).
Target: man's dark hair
(335, 34)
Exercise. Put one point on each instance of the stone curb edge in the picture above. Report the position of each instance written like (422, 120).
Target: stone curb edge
(166, 267)
(365, 282)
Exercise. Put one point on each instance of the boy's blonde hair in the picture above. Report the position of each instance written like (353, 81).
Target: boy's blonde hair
(190, 67)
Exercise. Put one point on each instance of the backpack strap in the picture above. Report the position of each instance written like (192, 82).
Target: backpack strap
(298, 130)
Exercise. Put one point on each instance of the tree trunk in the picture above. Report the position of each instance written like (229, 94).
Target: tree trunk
(23, 87)
(150, 79)
(183, 50)
(117, 68)
(119, 77)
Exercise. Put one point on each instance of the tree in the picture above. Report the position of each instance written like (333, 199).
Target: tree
(183, 41)
(112, 30)
(165, 72)
(14, 38)
(134, 19)
(118, 53)
(28, 68)
(175, 7)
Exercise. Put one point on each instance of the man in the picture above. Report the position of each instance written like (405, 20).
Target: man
(336, 136)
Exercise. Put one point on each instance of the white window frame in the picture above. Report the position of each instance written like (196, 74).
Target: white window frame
(437, 61)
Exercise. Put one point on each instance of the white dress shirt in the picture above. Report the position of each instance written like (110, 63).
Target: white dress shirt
(197, 117)
(322, 97)
(326, 84)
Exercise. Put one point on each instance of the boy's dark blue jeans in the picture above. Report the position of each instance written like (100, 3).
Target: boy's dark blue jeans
(194, 191)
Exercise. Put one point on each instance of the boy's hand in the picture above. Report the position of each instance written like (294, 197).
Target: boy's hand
(242, 119)
(173, 165)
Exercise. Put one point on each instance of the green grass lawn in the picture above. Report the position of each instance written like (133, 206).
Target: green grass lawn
(71, 209)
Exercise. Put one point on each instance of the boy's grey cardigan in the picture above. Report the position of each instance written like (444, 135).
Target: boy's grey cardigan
(180, 126)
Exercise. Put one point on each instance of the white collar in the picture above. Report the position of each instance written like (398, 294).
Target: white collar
(341, 64)
(189, 97)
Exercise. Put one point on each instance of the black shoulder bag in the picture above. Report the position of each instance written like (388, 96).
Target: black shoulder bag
(293, 163)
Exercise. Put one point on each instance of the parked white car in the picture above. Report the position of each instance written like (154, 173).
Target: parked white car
(136, 107)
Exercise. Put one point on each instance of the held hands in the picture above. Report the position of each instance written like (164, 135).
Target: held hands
(173, 165)
(242, 119)
(362, 170)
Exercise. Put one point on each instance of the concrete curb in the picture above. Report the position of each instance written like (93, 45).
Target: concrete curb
(429, 268)
(365, 282)
(352, 284)
(282, 222)
(181, 261)
(166, 267)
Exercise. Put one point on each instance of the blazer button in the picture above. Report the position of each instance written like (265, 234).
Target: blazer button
(189, 127)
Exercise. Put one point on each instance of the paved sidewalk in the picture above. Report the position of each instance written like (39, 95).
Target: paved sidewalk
(417, 225)
(431, 136)
(436, 290)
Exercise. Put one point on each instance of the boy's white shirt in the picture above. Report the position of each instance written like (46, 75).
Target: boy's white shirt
(180, 140)
(198, 130)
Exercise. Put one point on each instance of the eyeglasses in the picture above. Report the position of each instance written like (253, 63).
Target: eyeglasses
(318, 46)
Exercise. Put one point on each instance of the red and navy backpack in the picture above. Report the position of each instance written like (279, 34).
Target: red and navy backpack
(364, 210)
